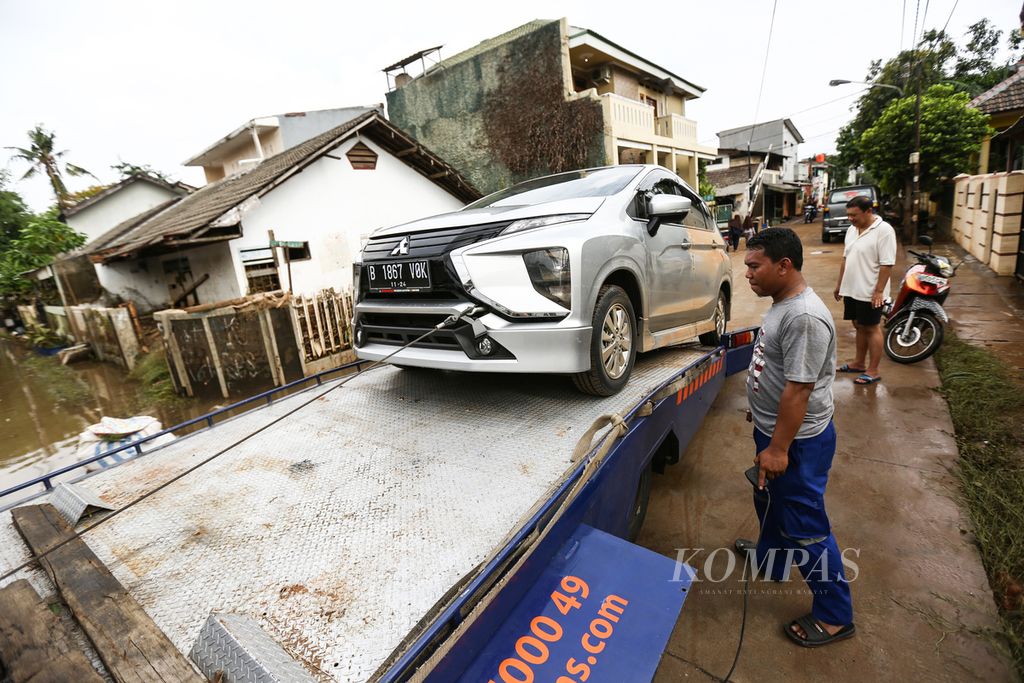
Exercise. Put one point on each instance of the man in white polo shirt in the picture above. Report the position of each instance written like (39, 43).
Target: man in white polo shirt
(868, 258)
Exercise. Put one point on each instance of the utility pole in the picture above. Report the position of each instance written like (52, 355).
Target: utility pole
(915, 158)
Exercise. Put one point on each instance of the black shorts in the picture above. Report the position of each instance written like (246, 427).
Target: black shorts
(861, 312)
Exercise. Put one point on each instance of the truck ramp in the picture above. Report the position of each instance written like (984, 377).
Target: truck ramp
(340, 527)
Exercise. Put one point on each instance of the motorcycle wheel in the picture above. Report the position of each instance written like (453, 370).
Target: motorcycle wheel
(924, 340)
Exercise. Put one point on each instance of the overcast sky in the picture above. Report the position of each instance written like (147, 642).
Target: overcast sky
(154, 83)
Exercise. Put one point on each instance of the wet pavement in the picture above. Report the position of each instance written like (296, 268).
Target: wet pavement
(920, 592)
(986, 309)
(44, 407)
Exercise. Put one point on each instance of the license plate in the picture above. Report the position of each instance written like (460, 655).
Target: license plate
(406, 276)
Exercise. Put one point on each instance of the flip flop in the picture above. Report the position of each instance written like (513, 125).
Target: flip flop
(846, 368)
(866, 379)
(816, 635)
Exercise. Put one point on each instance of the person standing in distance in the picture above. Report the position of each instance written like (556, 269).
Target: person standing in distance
(868, 257)
(789, 388)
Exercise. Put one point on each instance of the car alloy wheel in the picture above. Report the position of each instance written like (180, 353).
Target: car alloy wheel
(612, 344)
(616, 341)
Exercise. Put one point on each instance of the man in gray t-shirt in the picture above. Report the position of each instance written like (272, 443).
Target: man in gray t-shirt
(789, 386)
(797, 343)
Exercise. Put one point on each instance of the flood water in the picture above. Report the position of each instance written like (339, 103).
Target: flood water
(44, 407)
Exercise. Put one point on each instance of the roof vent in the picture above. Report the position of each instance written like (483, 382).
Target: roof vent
(362, 157)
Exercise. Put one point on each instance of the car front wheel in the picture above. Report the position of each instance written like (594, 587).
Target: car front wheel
(612, 344)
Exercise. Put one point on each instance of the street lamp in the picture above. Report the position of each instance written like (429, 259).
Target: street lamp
(840, 81)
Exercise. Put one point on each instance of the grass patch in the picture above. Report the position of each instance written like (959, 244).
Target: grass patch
(62, 384)
(153, 373)
(986, 402)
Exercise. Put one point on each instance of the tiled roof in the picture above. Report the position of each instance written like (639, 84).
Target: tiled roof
(1006, 96)
(208, 203)
(730, 176)
(123, 227)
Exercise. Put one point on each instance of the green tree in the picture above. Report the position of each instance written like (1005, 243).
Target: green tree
(42, 156)
(41, 238)
(976, 66)
(950, 132)
(926, 65)
(127, 170)
(13, 213)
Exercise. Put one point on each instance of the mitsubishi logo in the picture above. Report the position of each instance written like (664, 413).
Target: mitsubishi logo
(402, 249)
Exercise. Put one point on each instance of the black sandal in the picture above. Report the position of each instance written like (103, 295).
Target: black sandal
(816, 636)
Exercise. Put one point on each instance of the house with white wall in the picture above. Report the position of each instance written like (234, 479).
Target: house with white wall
(324, 195)
(130, 197)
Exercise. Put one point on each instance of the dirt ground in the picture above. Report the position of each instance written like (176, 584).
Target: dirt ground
(921, 598)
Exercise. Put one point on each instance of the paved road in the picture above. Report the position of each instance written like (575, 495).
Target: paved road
(921, 591)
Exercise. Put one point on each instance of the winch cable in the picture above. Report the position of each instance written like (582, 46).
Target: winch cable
(450, 320)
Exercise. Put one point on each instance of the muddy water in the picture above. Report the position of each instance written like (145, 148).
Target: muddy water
(43, 409)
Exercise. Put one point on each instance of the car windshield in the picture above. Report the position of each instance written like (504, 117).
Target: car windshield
(600, 182)
(843, 196)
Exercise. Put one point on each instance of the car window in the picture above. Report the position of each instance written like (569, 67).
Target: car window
(843, 196)
(698, 216)
(601, 182)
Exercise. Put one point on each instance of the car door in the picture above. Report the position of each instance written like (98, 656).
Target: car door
(707, 255)
(669, 262)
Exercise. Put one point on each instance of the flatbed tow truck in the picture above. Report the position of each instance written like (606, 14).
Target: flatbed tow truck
(398, 524)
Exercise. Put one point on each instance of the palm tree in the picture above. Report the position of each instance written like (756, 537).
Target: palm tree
(42, 157)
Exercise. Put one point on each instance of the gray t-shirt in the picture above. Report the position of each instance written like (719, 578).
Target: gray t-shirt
(797, 343)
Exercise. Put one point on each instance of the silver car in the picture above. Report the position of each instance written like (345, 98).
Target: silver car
(572, 273)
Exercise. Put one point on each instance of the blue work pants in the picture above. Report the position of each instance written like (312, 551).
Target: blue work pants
(796, 527)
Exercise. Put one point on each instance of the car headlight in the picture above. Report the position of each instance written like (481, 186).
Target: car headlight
(542, 221)
(549, 273)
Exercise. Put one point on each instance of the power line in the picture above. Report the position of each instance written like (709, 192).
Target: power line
(802, 111)
(917, 8)
(924, 17)
(950, 15)
(903, 25)
(764, 67)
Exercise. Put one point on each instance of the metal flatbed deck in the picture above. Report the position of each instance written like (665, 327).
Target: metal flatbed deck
(340, 527)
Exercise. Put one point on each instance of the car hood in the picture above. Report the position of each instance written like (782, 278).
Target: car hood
(494, 214)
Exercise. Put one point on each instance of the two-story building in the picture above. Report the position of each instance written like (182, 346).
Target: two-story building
(547, 97)
(756, 170)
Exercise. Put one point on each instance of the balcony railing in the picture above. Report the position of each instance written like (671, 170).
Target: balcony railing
(678, 128)
(635, 120)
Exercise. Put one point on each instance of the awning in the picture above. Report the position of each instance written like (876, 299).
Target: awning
(784, 189)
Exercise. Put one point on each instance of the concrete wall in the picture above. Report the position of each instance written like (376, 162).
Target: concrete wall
(334, 207)
(143, 280)
(108, 212)
(987, 218)
(461, 111)
(299, 127)
(270, 141)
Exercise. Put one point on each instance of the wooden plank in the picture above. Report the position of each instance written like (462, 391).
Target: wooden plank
(130, 645)
(35, 646)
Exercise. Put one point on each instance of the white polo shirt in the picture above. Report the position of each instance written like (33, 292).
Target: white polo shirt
(865, 254)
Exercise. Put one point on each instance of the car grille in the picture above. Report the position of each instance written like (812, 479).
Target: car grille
(432, 242)
(400, 329)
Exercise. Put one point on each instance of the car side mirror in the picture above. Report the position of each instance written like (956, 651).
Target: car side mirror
(662, 206)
